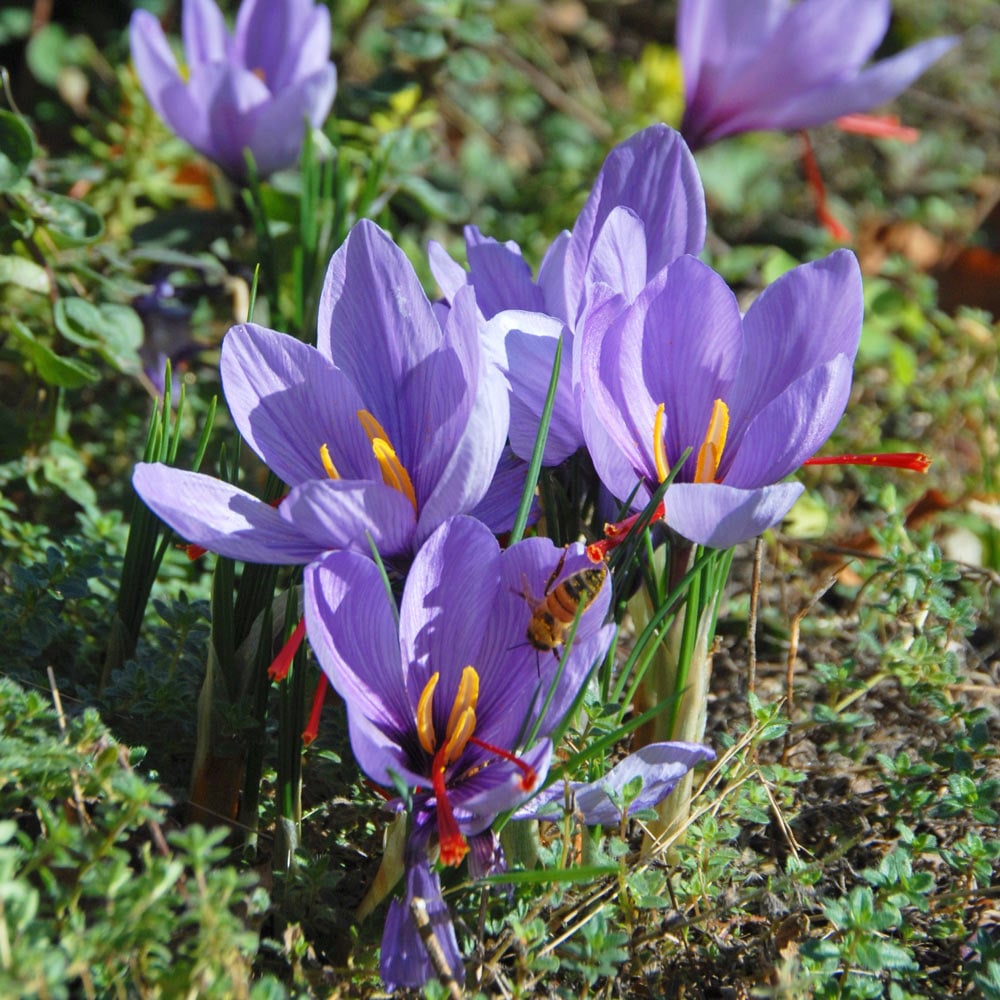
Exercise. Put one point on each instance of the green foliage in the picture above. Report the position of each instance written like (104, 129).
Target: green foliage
(95, 897)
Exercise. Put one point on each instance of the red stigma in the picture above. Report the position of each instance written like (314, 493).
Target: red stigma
(193, 551)
(454, 846)
(914, 461)
(815, 181)
(615, 534)
(529, 776)
(312, 726)
(279, 668)
(879, 126)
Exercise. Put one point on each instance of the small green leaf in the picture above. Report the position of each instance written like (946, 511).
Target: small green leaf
(17, 147)
(66, 372)
(24, 272)
(69, 217)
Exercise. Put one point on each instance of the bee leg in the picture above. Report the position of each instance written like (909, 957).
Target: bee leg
(555, 573)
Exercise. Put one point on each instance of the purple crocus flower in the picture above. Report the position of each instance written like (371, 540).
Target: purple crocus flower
(753, 397)
(443, 700)
(646, 208)
(252, 89)
(770, 64)
(393, 424)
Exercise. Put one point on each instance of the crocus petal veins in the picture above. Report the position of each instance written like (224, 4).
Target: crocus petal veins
(394, 473)
(915, 461)
(710, 452)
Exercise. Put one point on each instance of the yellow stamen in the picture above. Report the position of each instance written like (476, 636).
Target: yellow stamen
(710, 452)
(659, 445)
(459, 736)
(425, 715)
(467, 698)
(394, 473)
(331, 469)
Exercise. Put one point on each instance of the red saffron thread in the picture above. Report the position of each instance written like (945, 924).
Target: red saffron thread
(815, 181)
(278, 670)
(529, 774)
(879, 126)
(914, 461)
(454, 846)
(312, 726)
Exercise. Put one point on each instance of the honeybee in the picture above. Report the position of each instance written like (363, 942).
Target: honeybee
(554, 613)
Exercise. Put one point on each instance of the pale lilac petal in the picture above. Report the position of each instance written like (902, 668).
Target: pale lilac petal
(498, 508)
(791, 428)
(203, 28)
(617, 264)
(155, 64)
(435, 403)
(869, 89)
(616, 467)
(344, 514)
(235, 99)
(375, 322)
(280, 125)
(551, 277)
(721, 516)
(501, 277)
(688, 355)
(807, 317)
(220, 517)
(265, 31)
(185, 109)
(307, 54)
(655, 176)
(659, 765)
(531, 340)
(448, 273)
(441, 614)
(403, 963)
(288, 400)
(351, 626)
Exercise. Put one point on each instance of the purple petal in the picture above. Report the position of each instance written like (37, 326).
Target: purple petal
(352, 629)
(404, 963)
(551, 277)
(530, 340)
(791, 428)
(308, 53)
(288, 400)
(220, 517)
(660, 765)
(498, 508)
(500, 276)
(687, 357)
(203, 28)
(806, 318)
(655, 176)
(486, 855)
(376, 323)
(344, 514)
(280, 126)
(617, 259)
(722, 516)
(265, 31)
(232, 100)
(870, 88)
(499, 786)
(155, 64)
(448, 273)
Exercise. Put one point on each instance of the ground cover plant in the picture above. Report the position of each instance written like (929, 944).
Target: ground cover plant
(499, 499)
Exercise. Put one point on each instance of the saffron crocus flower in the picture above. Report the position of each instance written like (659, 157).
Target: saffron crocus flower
(646, 208)
(390, 426)
(443, 701)
(770, 64)
(752, 397)
(251, 89)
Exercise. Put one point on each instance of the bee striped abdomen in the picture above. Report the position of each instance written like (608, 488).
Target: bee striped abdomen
(552, 616)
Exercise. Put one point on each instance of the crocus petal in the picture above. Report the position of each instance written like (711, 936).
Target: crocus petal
(220, 517)
(155, 64)
(203, 28)
(501, 277)
(781, 337)
(375, 322)
(234, 101)
(660, 765)
(722, 516)
(352, 629)
(870, 88)
(403, 962)
(498, 508)
(288, 400)
(448, 273)
(617, 259)
(655, 176)
(345, 514)
(265, 31)
(275, 139)
(308, 53)
(441, 613)
(792, 427)
(530, 340)
(686, 357)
